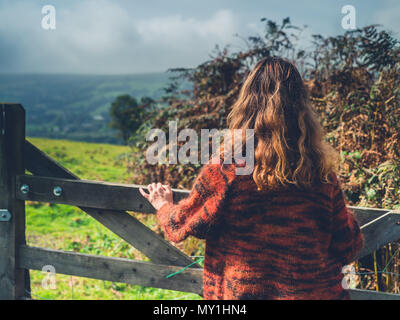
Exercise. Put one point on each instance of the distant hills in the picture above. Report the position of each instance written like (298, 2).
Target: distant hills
(75, 107)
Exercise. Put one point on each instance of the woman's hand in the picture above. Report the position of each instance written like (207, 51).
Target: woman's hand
(158, 195)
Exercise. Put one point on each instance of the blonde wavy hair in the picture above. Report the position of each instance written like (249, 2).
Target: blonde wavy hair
(289, 142)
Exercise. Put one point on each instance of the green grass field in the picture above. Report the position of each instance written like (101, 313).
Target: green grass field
(68, 228)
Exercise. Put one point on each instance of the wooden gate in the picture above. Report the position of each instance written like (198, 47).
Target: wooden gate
(107, 203)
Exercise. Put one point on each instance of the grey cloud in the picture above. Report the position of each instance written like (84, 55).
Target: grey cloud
(102, 37)
(109, 36)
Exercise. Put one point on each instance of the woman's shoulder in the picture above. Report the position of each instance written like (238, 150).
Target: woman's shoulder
(331, 185)
(218, 168)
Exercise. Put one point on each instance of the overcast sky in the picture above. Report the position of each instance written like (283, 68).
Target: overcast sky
(125, 36)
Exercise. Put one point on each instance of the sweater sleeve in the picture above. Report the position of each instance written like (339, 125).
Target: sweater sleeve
(197, 213)
(347, 239)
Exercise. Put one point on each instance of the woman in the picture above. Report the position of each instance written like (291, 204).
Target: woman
(284, 231)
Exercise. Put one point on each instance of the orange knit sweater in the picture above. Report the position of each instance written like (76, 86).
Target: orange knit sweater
(266, 245)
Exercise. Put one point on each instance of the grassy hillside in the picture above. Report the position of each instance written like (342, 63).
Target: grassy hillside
(68, 228)
(75, 107)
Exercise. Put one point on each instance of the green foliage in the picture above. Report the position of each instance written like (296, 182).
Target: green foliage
(355, 88)
(92, 161)
(127, 115)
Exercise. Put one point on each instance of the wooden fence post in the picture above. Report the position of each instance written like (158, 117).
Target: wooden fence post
(14, 282)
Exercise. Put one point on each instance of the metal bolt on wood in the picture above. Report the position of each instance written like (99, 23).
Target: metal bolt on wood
(57, 191)
(5, 215)
(25, 189)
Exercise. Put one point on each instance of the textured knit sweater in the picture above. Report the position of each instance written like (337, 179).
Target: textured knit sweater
(290, 244)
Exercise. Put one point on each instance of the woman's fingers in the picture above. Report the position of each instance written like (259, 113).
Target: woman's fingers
(144, 194)
(167, 189)
(158, 195)
(156, 188)
(159, 188)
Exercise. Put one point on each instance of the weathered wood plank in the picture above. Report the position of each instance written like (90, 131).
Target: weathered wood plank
(121, 223)
(114, 196)
(380, 231)
(112, 269)
(365, 215)
(357, 294)
(86, 193)
(136, 272)
(14, 282)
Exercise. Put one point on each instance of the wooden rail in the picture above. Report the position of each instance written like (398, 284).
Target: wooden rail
(111, 269)
(108, 203)
(85, 193)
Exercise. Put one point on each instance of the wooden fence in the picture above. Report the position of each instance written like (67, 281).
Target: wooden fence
(107, 203)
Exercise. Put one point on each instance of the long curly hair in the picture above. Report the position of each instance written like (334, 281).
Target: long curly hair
(289, 144)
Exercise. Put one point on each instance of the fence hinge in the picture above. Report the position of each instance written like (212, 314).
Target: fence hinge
(5, 215)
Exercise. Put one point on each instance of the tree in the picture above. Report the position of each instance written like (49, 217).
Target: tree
(127, 114)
